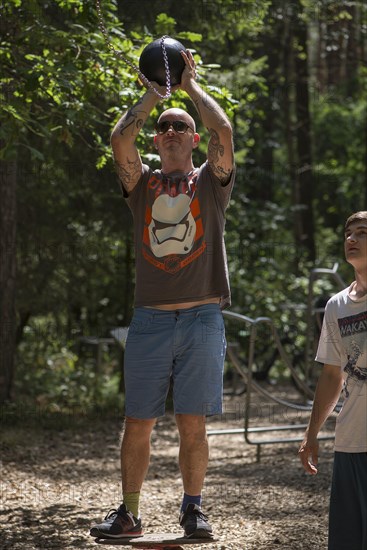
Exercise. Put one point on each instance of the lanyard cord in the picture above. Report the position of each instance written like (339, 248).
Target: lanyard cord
(131, 65)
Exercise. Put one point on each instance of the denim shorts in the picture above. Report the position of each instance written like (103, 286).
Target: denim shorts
(185, 348)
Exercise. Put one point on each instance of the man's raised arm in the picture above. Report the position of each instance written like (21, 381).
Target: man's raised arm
(125, 153)
(220, 148)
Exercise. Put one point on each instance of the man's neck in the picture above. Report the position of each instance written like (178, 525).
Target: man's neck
(359, 289)
(176, 170)
(177, 173)
(178, 166)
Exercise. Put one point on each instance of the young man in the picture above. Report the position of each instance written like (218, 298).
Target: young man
(177, 330)
(343, 350)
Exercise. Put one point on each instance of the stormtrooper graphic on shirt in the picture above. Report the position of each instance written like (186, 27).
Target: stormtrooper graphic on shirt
(173, 231)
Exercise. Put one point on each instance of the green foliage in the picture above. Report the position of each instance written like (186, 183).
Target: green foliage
(61, 376)
(165, 25)
(340, 166)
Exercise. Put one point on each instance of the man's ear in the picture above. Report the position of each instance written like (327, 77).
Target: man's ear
(155, 142)
(196, 139)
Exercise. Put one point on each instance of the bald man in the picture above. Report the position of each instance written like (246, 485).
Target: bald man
(176, 334)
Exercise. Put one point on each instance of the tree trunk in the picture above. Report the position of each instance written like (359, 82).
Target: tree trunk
(334, 34)
(288, 103)
(305, 192)
(8, 180)
(322, 71)
(353, 51)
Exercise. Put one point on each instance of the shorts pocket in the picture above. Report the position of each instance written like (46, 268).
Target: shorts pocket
(212, 326)
(138, 326)
(213, 321)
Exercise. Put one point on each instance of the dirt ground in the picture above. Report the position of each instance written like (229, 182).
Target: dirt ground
(56, 480)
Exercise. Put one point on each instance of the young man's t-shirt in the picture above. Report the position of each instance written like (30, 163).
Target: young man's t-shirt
(343, 342)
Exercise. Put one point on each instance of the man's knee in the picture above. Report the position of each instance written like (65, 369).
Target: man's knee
(191, 428)
(137, 427)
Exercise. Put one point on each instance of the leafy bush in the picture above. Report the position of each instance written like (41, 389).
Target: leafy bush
(58, 377)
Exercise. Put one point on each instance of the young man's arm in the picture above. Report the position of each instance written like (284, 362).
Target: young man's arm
(220, 148)
(327, 394)
(125, 153)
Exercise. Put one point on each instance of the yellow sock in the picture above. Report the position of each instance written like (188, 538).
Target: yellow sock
(131, 501)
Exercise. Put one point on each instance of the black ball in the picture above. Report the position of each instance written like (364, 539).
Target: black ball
(151, 62)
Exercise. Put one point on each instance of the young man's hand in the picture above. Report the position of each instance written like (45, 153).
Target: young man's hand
(309, 449)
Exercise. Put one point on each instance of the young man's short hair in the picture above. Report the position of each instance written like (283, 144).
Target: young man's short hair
(356, 217)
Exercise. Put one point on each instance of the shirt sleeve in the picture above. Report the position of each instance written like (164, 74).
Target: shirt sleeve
(132, 197)
(223, 191)
(329, 350)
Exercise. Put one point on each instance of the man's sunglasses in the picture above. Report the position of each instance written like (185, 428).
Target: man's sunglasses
(179, 126)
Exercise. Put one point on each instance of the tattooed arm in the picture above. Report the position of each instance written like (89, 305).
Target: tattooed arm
(220, 147)
(125, 153)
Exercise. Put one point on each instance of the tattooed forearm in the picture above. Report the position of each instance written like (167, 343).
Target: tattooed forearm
(132, 122)
(208, 108)
(220, 148)
(197, 107)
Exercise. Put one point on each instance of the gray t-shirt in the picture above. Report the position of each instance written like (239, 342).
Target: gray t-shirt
(179, 221)
(343, 343)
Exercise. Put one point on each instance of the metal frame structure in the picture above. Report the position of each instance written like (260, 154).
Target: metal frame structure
(251, 384)
(311, 311)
